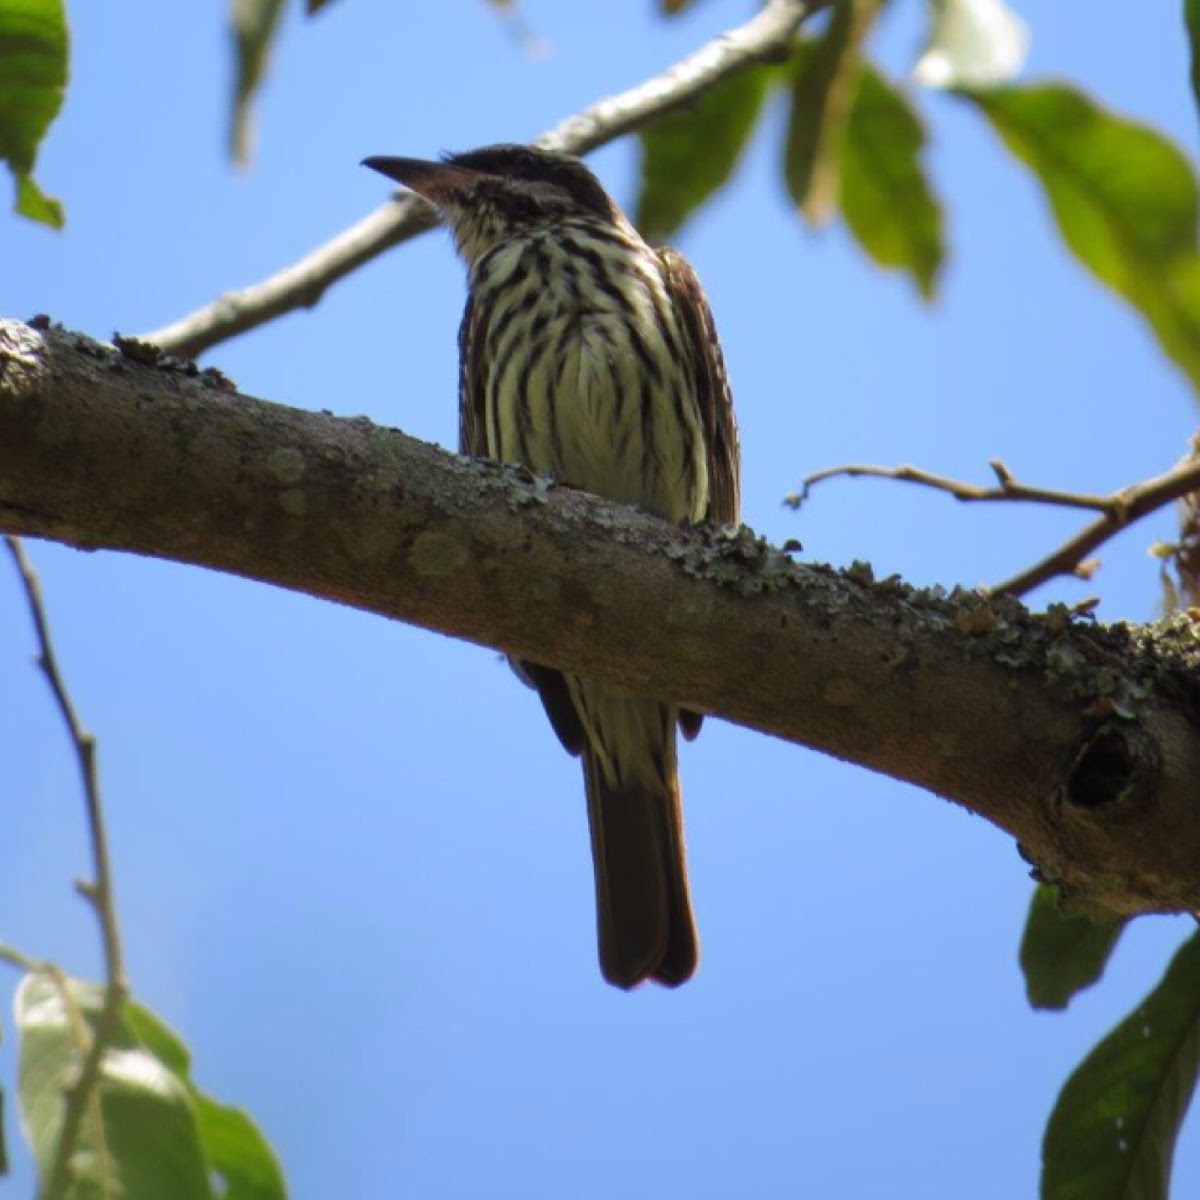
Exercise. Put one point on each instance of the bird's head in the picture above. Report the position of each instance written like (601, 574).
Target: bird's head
(487, 196)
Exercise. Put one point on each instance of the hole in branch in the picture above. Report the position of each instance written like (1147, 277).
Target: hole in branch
(1102, 771)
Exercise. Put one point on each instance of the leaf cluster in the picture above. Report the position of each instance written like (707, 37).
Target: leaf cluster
(1123, 197)
(148, 1131)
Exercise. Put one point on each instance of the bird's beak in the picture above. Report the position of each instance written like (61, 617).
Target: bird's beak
(436, 181)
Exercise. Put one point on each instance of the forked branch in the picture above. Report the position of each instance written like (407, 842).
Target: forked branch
(1117, 510)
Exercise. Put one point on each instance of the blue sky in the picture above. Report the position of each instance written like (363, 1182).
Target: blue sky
(351, 858)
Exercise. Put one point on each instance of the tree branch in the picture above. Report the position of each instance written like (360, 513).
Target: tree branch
(1081, 741)
(302, 285)
(1130, 504)
(1008, 487)
(1118, 510)
(98, 891)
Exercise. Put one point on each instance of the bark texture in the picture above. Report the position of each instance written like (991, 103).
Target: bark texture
(1082, 741)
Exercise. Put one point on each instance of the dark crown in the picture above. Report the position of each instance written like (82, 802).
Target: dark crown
(527, 164)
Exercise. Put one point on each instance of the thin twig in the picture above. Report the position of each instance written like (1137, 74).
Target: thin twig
(19, 959)
(98, 891)
(1117, 510)
(1132, 504)
(509, 13)
(301, 285)
(1008, 488)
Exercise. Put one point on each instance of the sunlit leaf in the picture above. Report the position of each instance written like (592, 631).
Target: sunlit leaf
(1124, 198)
(233, 1145)
(825, 79)
(1112, 1133)
(140, 1138)
(153, 1133)
(972, 43)
(255, 24)
(885, 196)
(33, 203)
(238, 1152)
(854, 144)
(1062, 955)
(33, 80)
(689, 154)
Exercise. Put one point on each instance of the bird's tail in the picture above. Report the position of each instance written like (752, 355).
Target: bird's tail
(643, 907)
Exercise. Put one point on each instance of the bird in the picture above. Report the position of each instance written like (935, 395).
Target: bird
(588, 356)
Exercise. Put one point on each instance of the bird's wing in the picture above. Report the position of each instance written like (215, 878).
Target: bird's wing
(716, 408)
(472, 440)
(712, 389)
(472, 427)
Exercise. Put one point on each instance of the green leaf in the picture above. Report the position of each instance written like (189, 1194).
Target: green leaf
(1112, 1133)
(233, 1145)
(33, 203)
(153, 1133)
(1125, 200)
(33, 80)
(312, 7)
(886, 198)
(238, 1152)
(854, 143)
(156, 1036)
(689, 154)
(1062, 955)
(825, 78)
(1191, 16)
(139, 1138)
(255, 23)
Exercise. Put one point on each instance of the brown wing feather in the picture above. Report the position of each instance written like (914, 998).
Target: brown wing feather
(472, 439)
(472, 429)
(716, 408)
(712, 389)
